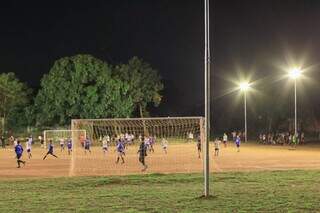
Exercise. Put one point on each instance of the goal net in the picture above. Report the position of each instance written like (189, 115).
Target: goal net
(174, 145)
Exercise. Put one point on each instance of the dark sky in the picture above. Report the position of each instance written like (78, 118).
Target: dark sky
(251, 37)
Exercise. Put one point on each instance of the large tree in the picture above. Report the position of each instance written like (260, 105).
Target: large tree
(14, 98)
(144, 83)
(81, 87)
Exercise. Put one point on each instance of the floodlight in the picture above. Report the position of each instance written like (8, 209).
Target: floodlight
(295, 73)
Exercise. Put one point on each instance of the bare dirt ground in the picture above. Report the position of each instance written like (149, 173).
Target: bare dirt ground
(181, 158)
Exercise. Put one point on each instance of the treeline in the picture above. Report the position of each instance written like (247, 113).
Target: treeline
(80, 86)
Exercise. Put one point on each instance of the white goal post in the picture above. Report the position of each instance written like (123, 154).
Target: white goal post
(180, 133)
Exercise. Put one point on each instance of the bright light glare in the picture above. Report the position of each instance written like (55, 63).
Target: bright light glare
(295, 73)
(244, 86)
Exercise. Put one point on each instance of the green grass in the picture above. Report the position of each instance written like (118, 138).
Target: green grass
(280, 191)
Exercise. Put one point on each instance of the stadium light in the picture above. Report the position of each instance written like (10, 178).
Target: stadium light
(294, 74)
(245, 86)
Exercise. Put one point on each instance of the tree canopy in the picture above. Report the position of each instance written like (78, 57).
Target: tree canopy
(14, 97)
(144, 83)
(81, 87)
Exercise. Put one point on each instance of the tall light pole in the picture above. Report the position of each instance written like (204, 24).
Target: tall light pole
(207, 97)
(244, 88)
(294, 74)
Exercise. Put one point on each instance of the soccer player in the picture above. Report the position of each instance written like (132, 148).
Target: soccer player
(87, 144)
(19, 150)
(41, 141)
(69, 145)
(199, 146)
(105, 144)
(120, 150)
(225, 139)
(216, 147)
(147, 143)
(238, 142)
(50, 150)
(61, 141)
(190, 137)
(142, 155)
(164, 144)
(28, 147)
(152, 141)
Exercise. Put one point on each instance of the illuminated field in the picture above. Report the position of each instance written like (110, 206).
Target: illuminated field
(181, 158)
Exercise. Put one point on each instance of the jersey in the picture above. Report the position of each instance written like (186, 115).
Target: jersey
(28, 145)
(142, 150)
(238, 141)
(225, 137)
(50, 148)
(217, 144)
(18, 149)
(120, 147)
(69, 144)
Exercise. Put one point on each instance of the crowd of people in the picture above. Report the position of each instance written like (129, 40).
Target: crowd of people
(284, 138)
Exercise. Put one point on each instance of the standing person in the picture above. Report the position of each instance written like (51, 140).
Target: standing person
(105, 145)
(164, 144)
(19, 150)
(238, 142)
(142, 154)
(225, 139)
(28, 147)
(120, 150)
(41, 141)
(234, 135)
(50, 150)
(216, 147)
(190, 137)
(199, 146)
(3, 142)
(87, 145)
(152, 141)
(69, 146)
(61, 141)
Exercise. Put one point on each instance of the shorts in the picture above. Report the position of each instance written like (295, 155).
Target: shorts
(238, 145)
(141, 159)
(216, 149)
(199, 148)
(224, 142)
(87, 147)
(105, 148)
(28, 150)
(62, 145)
(19, 156)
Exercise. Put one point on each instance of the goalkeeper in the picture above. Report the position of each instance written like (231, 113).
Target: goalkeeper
(142, 155)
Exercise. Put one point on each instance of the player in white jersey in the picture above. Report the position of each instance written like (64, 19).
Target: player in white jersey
(28, 147)
(61, 142)
(216, 147)
(105, 144)
(225, 139)
(164, 144)
(190, 137)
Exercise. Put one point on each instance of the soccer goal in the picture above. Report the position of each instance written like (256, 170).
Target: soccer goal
(175, 145)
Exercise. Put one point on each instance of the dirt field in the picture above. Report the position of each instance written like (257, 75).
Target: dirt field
(180, 158)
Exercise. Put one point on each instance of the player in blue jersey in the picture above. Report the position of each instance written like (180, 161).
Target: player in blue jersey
(120, 150)
(87, 144)
(69, 145)
(238, 142)
(50, 150)
(19, 150)
(142, 155)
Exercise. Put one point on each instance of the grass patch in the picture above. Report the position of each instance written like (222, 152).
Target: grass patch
(269, 191)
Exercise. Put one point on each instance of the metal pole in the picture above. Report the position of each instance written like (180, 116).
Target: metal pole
(245, 116)
(207, 99)
(295, 108)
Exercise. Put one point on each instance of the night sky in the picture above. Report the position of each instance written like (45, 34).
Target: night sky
(249, 38)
